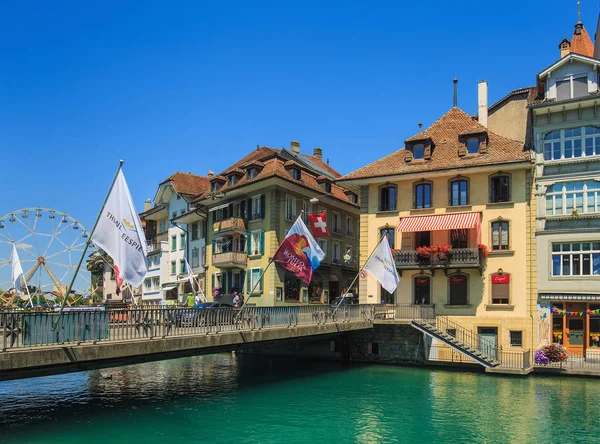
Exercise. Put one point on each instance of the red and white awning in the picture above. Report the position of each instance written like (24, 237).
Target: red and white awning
(439, 222)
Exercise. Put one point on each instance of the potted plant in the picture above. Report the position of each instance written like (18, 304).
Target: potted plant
(444, 252)
(424, 254)
(483, 250)
(217, 291)
(550, 353)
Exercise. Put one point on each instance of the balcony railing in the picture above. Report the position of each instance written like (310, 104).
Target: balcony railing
(230, 259)
(152, 247)
(231, 224)
(458, 258)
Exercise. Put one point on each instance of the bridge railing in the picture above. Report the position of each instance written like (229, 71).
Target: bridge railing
(404, 312)
(22, 329)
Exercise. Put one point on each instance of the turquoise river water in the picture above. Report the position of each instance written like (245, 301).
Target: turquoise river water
(249, 399)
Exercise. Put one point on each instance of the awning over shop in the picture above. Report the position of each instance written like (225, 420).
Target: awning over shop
(219, 207)
(569, 297)
(169, 287)
(439, 222)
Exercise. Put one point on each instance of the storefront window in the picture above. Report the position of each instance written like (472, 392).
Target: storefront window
(557, 325)
(292, 288)
(594, 326)
(315, 289)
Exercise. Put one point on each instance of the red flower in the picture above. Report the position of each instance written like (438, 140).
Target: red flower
(483, 249)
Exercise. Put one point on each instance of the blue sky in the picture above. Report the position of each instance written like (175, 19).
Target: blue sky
(193, 86)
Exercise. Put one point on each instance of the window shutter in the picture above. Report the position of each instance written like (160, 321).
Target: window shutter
(262, 241)
(427, 154)
(260, 286)
(407, 155)
(249, 244)
(248, 282)
(407, 241)
(213, 283)
(224, 283)
(483, 145)
(262, 206)
(243, 209)
(230, 279)
(242, 281)
(250, 209)
(462, 151)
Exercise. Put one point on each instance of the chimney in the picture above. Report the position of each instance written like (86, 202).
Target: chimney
(295, 146)
(482, 100)
(455, 81)
(211, 173)
(318, 153)
(147, 205)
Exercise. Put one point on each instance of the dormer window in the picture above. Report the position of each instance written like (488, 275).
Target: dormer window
(327, 187)
(473, 145)
(232, 180)
(215, 187)
(251, 173)
(296, 174)
(571, 87)
(419, 152)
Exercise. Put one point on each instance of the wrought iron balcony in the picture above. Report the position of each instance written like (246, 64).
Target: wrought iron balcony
(458, 258)
(230, 259)
(233, 224)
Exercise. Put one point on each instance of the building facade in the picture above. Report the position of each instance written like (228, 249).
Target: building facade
(566, 131)
(252, 205)
(454, 205)
(170, 240)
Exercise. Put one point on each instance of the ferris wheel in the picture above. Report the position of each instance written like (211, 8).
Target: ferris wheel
(49, 244)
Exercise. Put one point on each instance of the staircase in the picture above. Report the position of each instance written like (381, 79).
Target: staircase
(459, 338)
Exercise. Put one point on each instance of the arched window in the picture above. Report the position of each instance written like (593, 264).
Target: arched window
(422, 192)
(387, 198)
(418, 152)
(500, 188)
(389, 232)
(572, 143)
(500, 232)
(473, 145)
(459, 289)
(459, 192)
(570, 197)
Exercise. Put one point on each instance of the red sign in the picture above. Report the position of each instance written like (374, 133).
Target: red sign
(291, 257)
(318, 224)
(422, 281)
(501, 279)
(458, 279)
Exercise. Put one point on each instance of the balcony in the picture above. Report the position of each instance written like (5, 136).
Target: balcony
(458, 258)
(154, 247)
(230, 226)
(230, 259)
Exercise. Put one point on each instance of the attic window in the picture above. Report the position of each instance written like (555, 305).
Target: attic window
(296, 174)
(327, 186)
(215, 187)
(472, 145)
(232, 180)
(354, 198)
(419, 152)
(251, 173)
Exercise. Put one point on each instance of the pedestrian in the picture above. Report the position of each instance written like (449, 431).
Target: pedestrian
(196, 300)
(236, 299)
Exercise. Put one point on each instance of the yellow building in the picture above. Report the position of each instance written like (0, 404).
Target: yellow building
(252, 205)
(454, 203)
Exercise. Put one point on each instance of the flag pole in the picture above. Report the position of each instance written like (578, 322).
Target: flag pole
(361, 269)
(87, 244)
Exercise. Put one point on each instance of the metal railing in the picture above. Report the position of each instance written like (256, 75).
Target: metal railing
(404, 311)
(576, 360)
(24, 329)
(459, 257)
(519, 360)
(230, 257)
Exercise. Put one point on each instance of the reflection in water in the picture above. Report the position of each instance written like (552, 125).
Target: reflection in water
(253, 399)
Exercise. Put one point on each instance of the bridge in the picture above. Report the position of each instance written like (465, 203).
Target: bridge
(97, 338)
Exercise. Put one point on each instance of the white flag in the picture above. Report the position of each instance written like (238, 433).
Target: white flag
(120, 234)
(17, 271)
(190, 274)
(381, 266)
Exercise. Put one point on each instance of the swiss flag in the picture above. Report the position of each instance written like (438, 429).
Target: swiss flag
(318, 224)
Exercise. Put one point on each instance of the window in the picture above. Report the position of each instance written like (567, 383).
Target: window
(337, 226)
(459, 238)
(257, 239)
(296, 174)
(254, 280)
(373, 348)
(215, 187)
(257, 207)
(323, 244)
(472, 145)
(387, 198)
(182, 241)
(182, 269)
(569, 197)
(594, 329)
(202, 254)
(173, 267)
(195, 257)
(458, 289)
(327, 186)
(422, 289)
(290, 207)
(348, 256)
(251, 173)
(458, 192)
(307, 210)
(349, 224)
(315, 289)
(148, 284)
(516, 338)
(335, 252)
(232, 180)
(571, 87)
(422, 239)
(162, 226)
(173, 243)
(291, 287)
(423, 195)
(572, 143)
(155, 283)
(389, 232)
(195, 231)
(500, 235)
(500, 288)
(499, 188)
(418, 152)
(577, 259)
(354, 198)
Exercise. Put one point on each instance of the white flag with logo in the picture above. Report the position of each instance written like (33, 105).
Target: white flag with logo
(119, 232)
(17, 271)
(381, 266)
(190, 274)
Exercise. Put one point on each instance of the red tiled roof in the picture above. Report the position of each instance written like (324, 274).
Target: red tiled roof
(582, 43)
(321, 164)
(257, 155)
(188, 183)
(445, 137)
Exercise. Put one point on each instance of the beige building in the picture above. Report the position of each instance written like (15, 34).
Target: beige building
(455, 192)
(252, 205)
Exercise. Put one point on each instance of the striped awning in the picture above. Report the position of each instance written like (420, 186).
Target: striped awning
(569, 297)
(439, 222)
